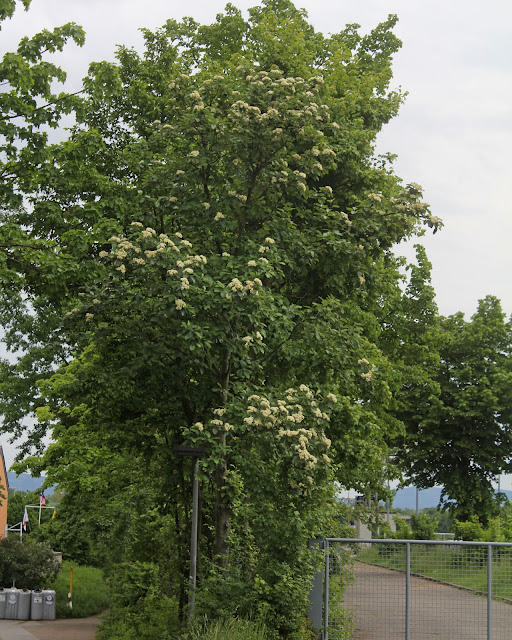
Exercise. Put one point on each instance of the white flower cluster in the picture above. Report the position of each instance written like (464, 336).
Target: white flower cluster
(266, 246)
(295, 422)
(250, 286)
(292, 102)
(249, 341)
(254, 284)
(411, 205)
(238, 196)
(308, 443)
(161, 246)
(436, 221)
(367, 375)
(275, 106)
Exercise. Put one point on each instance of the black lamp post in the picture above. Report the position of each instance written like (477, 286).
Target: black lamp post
(184, 451)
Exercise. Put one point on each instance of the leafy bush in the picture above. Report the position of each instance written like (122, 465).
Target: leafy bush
(154, 617)
(471, 530)
(424, 526)
(132, 581)
(139, 610)
(90, 591)
(403, 530)
(28, 564)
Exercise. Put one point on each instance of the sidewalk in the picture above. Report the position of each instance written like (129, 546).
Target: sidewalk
(67, 629)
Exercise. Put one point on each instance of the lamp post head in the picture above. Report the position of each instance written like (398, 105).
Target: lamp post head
(184, 451)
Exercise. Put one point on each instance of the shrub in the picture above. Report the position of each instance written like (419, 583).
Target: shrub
(139, 610)
(472, 530)
(403, 531)
(424, 526)
(28, 564)
(154, 617)
(277, 596)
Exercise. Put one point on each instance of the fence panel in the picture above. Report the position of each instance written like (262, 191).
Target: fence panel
(417, 590)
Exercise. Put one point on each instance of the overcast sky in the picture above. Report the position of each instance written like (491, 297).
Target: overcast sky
(453, 135)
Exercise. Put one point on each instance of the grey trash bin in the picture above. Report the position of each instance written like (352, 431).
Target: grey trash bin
(11, 604)
(48, 604)
(24, 598)
(3, 602)
(36, 605)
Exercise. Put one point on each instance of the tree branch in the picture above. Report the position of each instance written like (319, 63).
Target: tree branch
(45, 106)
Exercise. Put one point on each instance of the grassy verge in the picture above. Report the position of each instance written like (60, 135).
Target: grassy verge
(462, 566)
(229, 629)
(90, 592)
(341, 622)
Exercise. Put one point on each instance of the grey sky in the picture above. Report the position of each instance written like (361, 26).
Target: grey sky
(453, 135)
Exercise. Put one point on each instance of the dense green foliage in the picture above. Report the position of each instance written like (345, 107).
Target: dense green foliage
(443, 518)
(497, 529)
(28, 565)
(208, 259)
(138, 609)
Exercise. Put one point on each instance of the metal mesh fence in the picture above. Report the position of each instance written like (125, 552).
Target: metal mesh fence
(417, 590)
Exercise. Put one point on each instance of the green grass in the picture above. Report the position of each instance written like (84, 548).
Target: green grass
(90, 592)
(229, 629)
(461, 566)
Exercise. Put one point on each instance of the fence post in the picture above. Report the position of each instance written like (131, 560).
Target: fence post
(489, 592)
(316, 595)
(326, 592)
(407, 590)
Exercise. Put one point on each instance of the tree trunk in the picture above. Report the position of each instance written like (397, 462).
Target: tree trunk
(222, 508)
(222, 515)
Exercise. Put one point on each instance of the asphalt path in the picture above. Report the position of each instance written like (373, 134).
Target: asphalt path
(377, 602)
(68, 629)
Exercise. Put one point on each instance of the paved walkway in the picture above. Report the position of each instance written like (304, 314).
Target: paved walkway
(438, 611)
(69, 629)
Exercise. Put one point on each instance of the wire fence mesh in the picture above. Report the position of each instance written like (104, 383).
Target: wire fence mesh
(417, 590)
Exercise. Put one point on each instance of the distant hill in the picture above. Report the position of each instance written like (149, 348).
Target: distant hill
(25, 482)
(406, 498)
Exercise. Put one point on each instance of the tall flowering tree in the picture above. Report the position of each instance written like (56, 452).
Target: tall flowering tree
(224, 245)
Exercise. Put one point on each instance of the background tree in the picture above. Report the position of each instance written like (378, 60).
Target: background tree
(28, 108)
(463, 442)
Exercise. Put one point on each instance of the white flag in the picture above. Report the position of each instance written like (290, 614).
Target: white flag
(25, 519)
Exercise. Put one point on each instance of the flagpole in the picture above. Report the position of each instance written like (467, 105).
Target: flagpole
(42, 503)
